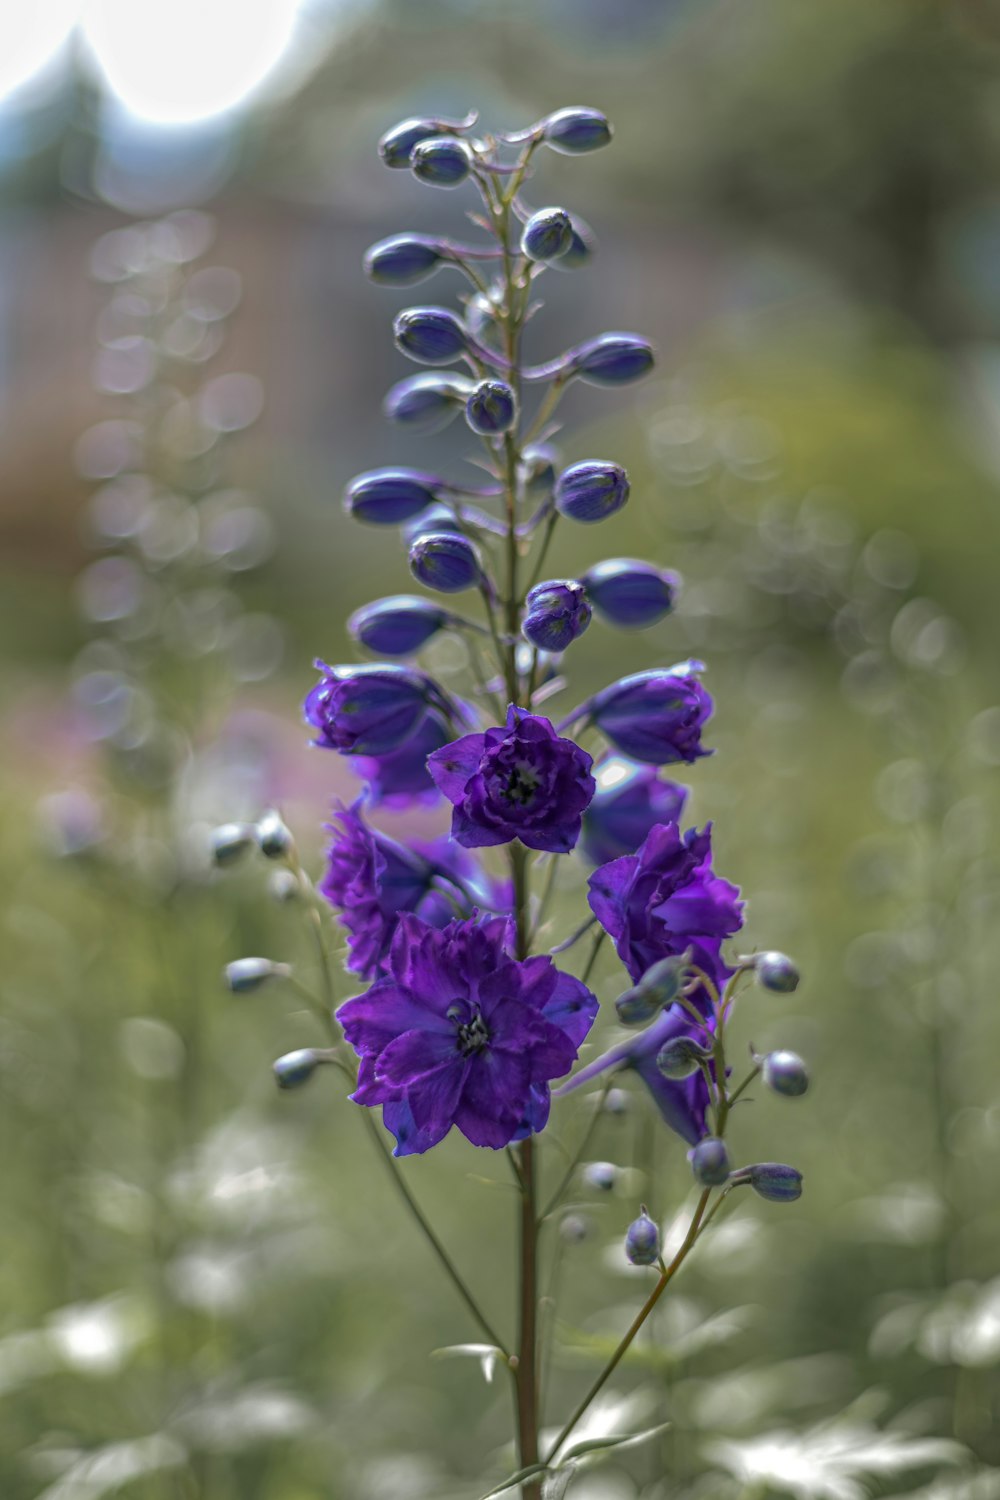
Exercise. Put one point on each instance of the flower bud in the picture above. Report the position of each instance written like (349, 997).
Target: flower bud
(296, 1068)
(642, 1240)
(616, 1102)
(403, 259)
(591, 491)
(629, 801)
(396, 146)
(491, 408)
(776, 971)
(230, 841)
(430, 335)
(397, 626)
(284, 885)
(611, 359)
(655, 717)
(573, 1229)
(246, 974)
(482, 318)
(575, 130)
(547, 235)
(370, 710)
(658, 987)
(435, 518)
(441, 161)
(775, 1181)
(629, 593)
(600, 1175)
(681, 1056)
(555, 614)
(710, 1162)
(426, 402)
(785, 1073)
(384, 497)
(274, 839)
(445, 561)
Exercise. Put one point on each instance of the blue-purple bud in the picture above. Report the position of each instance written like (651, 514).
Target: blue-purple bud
(403, 260)
(600, 1175)
(575, 130)
(547, 235)
(426, 402)
(776, 971)
(617, 1102)
(555, 614)
(630, 593)
(396, 146)
(230, 842)
(573, 1229)
(775, 1181)
(435, 518)
(537, 471)
(591, 491)
(612, 359)
(397, 626)
(385, 497)
(441, 161)
(785, 1073)
(296, 1068)
(370, 710)
(655, 716)
(445, 561)
(710, 1162)
(430, 335)
(680, 1057)
(284, 885)
(274, 839)
(491, 408)
(246, 974)
(642, 1240)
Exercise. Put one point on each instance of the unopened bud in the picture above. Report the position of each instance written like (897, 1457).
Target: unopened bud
(573, 1229)
(547, 235)
(776, 971)
(642, 1240)
(441, 161)
(230, 841)
(296, 1068)
(710, 1162)
(445, 561)
(680, 1057)
(274, 838)
(775, 1181)
(785, 1073)
(246, 974)
(600, 1175)
(284, 885)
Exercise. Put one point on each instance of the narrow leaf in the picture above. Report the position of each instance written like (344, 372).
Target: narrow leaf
(531, 1472)
(598, 1445)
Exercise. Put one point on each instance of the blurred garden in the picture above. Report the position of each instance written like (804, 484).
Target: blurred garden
(209, 1289)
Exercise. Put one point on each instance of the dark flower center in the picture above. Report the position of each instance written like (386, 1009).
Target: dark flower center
(522, 784)
(472, 1035)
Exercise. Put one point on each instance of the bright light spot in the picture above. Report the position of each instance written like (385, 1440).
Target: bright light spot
(174, 62)
(612, 773)
(30, 36)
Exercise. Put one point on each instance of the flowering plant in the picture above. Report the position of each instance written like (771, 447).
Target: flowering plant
(469, 1021)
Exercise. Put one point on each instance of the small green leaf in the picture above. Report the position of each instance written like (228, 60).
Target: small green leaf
(531, 1472)
(598, 1445)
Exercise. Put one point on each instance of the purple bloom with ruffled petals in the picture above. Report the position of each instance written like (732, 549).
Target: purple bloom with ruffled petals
(520, 782)
(629, 801)
(664, 897)
(461, 1033)
(371, 880)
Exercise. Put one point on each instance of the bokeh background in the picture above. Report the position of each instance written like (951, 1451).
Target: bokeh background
(206, 1287)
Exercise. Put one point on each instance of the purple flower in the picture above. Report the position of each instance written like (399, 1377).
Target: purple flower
(520, 782)
(460, 1033)
(664, 897)
(371, 880)
(401, 777)
(629, 801)
(654, 716)
(369, 710)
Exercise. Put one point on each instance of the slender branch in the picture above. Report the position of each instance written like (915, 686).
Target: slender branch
(578, 1155)
(666, 1276)
(591, 961)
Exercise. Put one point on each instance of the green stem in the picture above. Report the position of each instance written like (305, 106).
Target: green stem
(578, 1154)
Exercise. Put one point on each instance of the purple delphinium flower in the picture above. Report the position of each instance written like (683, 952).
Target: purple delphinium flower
(664, 897)
(458, 1032)
(371, 879)
(400, 777)
(369, 710)
(655, 717)
(629, 801)
(520, 782)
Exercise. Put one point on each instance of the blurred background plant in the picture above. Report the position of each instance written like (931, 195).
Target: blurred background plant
(801, 210)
